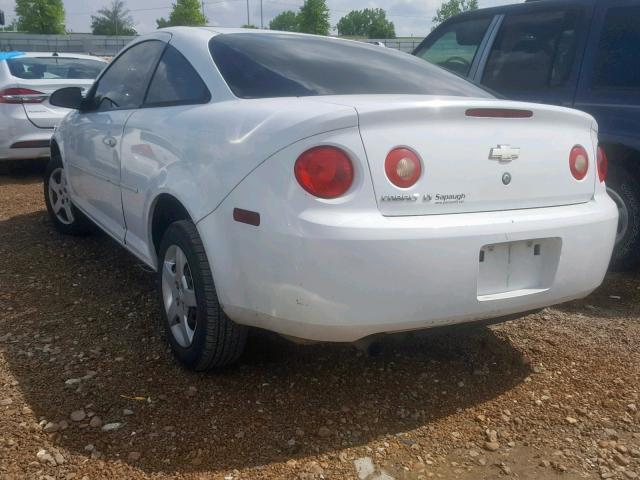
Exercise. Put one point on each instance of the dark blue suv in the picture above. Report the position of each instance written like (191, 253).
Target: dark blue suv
(583, 54)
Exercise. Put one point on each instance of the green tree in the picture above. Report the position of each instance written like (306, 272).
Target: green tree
(451, 8)
(185, 12)
(113, 20)
(314, 17)
(249, 25)
(370, 22)
(285, 22)
(40, 16)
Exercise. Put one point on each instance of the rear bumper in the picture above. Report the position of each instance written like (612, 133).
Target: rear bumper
(341, 278)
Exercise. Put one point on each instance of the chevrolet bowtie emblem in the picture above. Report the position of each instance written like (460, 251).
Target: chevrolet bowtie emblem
(504, 153)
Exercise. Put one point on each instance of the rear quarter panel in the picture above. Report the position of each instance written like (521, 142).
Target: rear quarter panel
(198, 154)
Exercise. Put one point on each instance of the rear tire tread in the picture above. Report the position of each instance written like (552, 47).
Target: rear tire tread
(625, 180)
(224, 340)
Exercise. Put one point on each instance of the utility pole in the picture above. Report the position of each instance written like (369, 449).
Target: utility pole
(248, 19)
(202, 4)
(261, 16)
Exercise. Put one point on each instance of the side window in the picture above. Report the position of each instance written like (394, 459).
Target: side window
(617, 60)
(533, 52)
(176, 82)
(123, 85)
(456, 45)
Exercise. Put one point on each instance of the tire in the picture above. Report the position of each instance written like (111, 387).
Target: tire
(624, 189)
(67, 218)
(201, 335)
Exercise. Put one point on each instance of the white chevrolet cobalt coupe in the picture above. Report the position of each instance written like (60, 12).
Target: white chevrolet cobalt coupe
(325, 189)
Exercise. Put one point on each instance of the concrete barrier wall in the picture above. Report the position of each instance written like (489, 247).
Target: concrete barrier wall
(105, 45)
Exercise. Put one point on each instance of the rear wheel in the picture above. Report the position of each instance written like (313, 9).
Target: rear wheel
(66, 218)
(200, 334)
(624, 189)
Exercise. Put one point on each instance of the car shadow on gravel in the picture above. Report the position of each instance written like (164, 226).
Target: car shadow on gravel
(80, 331)
(17, 171)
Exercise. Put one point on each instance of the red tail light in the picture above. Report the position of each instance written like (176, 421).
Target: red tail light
(603, 163)
(403, 167)
(21, 95)
(579, 162)
(325, 172)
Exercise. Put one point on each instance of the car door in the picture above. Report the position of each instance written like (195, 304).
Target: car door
(536, 53)
(609, 86)
(153, 142)
(92, 149)
(456, 44)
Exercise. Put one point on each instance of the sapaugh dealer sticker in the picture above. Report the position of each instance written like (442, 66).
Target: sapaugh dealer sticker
(445, 199)
(438, 198)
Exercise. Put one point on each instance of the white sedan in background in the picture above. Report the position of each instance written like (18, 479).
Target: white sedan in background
(325, 189)
(27, 119)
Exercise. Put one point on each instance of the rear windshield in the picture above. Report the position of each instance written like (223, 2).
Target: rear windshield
(53, 68)
(258, 65)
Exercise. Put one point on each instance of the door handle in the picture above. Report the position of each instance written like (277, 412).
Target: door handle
(109, 141)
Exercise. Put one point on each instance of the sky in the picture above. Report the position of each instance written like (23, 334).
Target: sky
(410, 17)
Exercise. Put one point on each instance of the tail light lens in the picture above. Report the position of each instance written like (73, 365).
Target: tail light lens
(325, 172)
(579, 162)
(603, 163)
(21, 95)
(403, 167)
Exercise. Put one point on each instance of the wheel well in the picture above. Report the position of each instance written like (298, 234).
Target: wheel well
(167, 210)
(54, 148)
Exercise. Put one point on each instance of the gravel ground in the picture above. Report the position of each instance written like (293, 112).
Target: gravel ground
(89, 390)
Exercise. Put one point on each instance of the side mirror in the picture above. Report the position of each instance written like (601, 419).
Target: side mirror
(68, 97)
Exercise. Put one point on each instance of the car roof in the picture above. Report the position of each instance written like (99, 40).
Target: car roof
(229, 30)
(530, 5)
(7, 55)
(214, 31)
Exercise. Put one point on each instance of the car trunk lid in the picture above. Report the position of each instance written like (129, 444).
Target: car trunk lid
(504, 155)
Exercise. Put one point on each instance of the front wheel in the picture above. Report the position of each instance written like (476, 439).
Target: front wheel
(624, 189)
(66, 218)
(201, 335)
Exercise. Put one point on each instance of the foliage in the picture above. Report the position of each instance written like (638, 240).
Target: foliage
(185, 12)
(370, 22)
(285, 22)
(451, 8)
(314, 17)
(249, 25)
(40, 16)
(113, 20)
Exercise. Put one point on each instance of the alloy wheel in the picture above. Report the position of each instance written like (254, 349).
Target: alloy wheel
(59, 197)
(178, 295)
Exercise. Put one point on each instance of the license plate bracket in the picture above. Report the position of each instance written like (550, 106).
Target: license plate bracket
(517, 268)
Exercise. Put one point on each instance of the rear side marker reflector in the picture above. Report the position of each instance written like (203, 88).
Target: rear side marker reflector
(498, 113)
(246, 216)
